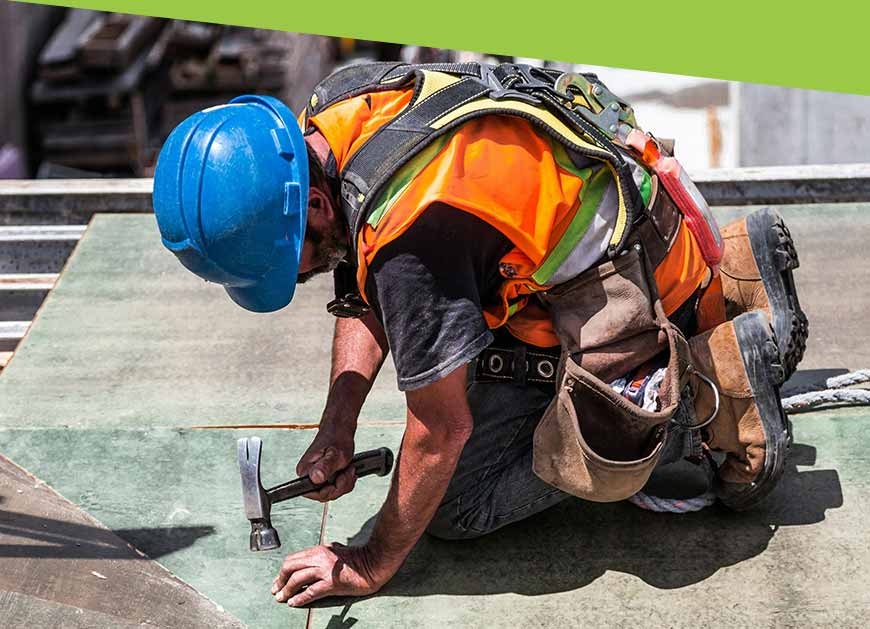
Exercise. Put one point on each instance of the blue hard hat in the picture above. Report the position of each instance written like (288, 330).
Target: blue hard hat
(231, 199)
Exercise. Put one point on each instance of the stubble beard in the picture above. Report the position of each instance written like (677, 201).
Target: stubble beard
(331, 248)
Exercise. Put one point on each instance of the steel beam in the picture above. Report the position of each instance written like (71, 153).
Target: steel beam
(785, 185)
(11, 332)
(37, 248)
(779, 185)
(71, 200)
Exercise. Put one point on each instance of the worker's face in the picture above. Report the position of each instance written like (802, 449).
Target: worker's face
(325, 238)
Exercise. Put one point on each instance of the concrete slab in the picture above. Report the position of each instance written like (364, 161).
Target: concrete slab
(175, 495)
(60, 564)
(130, 340)
(128, 337)
(798, 561)
(832, 243)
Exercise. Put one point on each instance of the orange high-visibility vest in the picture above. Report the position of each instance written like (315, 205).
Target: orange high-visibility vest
(503, 171)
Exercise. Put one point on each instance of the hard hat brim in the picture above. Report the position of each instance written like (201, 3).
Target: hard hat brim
(273, 292)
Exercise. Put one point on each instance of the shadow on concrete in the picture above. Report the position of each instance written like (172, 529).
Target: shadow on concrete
(28, 536)
(803, 378)
(575, 542)
(341, 621)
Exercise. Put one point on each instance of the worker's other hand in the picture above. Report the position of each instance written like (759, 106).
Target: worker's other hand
(327, 454)
(326, 570)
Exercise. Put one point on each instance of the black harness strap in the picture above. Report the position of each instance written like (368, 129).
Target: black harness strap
(377, 77)
(398, 141)
(349, 82)
(394, 144)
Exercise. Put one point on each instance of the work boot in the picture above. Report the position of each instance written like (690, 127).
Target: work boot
(741, 359)
(757, 275)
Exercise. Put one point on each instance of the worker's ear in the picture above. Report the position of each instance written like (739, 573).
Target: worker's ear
(320, 204)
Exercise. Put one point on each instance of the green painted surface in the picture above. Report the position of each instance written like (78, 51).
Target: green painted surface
(800, 560)
(130, 342)
(131, 338)
(175, 495)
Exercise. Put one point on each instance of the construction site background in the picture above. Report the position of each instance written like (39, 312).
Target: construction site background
(91, 94)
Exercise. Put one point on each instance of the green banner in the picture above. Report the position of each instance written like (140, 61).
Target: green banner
(818, 46)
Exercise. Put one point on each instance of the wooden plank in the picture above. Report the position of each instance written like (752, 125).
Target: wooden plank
(27, 281)
(115, 39)
(57, 61)
(40, 233)
(172, 494)
(13, 330)
(58, 559)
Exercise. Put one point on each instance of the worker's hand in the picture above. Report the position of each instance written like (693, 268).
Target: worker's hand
(326, 570)
(327, 454)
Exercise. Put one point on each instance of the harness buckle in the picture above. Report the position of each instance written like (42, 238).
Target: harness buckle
(348, 304)
(513, 81)
(348, 307)
(612, 116)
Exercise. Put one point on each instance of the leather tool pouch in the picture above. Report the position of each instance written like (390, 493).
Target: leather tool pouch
(592, 442)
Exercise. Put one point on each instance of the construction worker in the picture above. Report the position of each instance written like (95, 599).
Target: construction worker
(555, 308)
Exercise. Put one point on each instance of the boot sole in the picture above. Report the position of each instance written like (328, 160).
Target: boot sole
(776, 258)
(761, 358)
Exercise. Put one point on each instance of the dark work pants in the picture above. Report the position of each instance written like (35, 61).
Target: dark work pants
(494, 484)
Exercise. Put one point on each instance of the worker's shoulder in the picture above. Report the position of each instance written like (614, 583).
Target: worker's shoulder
(443, 233)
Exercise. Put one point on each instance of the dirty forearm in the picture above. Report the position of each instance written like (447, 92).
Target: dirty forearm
(438, 425)
(358, 350)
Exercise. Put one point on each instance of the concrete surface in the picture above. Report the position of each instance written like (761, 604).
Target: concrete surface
(131, 351)
(799, 560)
(780, 125)
(129, 338)
(833, 244)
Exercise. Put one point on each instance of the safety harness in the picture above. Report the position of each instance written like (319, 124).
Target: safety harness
(576, 110)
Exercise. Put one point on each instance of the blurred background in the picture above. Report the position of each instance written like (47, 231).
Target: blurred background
(92, 94)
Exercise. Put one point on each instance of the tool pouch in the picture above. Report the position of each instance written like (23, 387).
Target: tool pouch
(592, 442)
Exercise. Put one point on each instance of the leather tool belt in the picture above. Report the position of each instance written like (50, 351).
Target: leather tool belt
(521, 364)
(591, 442)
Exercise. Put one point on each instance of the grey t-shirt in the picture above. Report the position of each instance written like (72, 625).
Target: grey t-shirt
(429, 287)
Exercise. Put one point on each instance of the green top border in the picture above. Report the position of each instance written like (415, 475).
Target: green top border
(816, 46)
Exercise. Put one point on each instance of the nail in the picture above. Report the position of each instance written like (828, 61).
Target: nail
(279, 597)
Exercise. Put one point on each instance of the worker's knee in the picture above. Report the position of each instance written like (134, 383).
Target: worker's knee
(451, 522)
(450, 531)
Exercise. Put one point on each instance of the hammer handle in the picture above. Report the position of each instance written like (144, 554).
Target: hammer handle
(378, 462)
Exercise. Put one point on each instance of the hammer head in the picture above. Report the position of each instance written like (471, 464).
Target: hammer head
(258, 507)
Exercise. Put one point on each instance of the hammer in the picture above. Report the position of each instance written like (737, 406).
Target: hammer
(258, 501)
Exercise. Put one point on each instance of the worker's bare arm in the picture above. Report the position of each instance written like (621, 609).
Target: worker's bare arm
(358, 350)
(359, 347)
(438, 425)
